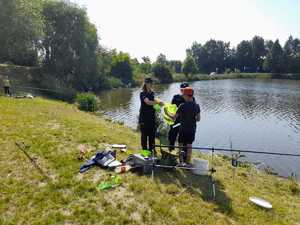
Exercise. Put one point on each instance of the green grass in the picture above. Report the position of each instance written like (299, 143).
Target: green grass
(53, 131)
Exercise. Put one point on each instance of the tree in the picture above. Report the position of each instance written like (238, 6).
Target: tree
(292, 55)
(146, 66)
(104, 62)
(258, 51)
(244, 54)
(21, 26)
(199, 54)
(162, 59)
(176, 66)
(269, 45)
(211, 56)
(189, 66)
(162, 73)
(146, 59)
(275, 59)
(121, 67)
(70, 45)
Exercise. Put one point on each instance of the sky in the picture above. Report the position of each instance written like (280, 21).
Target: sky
(150, 27)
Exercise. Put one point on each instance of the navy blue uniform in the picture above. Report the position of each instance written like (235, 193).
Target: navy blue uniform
(187, 113)
(173, 132)
(147, 121)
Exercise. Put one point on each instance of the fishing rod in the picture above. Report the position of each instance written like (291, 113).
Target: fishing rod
(211, 171)
(231, 150)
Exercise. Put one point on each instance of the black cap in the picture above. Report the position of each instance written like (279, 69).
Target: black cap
(184, 85)
(148, 80)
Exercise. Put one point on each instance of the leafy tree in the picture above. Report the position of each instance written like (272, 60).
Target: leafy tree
(292, 55)
(121, 67)
(200, 56)
(162, 59)
(70, 45)
(104, 62)
(269, 45)
(21, 26)
(231, 59)
(146, 66)
(244, 54)
(176, 66)
(162, 73)
(189, 66)
(146, 59)
(259, 52)
(275, 59)
(211, 56)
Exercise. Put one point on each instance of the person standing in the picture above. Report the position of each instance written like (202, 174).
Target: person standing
(188, 115)
(147, 115)
(174, 129)
(6, 85)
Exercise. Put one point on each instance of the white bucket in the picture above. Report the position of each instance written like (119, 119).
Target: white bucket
(201, 165)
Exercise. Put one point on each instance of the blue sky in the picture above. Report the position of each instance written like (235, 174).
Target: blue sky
(150, 27)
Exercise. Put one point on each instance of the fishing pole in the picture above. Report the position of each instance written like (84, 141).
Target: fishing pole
(23, 148)
(232, 150)
(212, 170)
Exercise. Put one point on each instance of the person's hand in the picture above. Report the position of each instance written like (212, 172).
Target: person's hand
(161, 103)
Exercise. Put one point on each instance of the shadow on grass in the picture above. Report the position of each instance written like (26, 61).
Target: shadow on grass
(200, 186)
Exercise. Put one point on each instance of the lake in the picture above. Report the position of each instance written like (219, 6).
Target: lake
(260, 115)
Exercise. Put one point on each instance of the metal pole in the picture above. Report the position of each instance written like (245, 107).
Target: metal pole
(234, 150)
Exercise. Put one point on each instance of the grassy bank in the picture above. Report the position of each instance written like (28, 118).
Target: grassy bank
(53, 130)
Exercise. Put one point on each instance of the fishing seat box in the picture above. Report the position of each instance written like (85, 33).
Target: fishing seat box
(141, 162)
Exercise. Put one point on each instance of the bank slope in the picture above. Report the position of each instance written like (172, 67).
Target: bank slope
(53, 130)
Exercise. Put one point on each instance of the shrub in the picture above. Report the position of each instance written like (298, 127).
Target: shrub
(87, 102)
(228, 71)
(121, 68)
(237, 71)
(113, 82)
(189, 66)
(162, 73)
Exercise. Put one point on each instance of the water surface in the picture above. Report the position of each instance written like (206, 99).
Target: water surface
(251, 114)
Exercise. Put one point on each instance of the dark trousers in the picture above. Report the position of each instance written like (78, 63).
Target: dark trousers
(173, 133)
(6, 91)
(148, 135)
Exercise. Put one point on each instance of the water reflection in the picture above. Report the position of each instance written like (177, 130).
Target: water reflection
(253, 114)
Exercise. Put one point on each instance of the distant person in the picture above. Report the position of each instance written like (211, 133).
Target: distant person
(147, 115)
(6, 84)
(174, 129)
(188, 115)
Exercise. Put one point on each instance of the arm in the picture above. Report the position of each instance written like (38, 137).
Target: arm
(198, 117)
(156, 101)
(174, 117)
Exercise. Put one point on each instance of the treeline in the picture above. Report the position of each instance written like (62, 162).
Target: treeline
(256, 55)
(58, 37)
